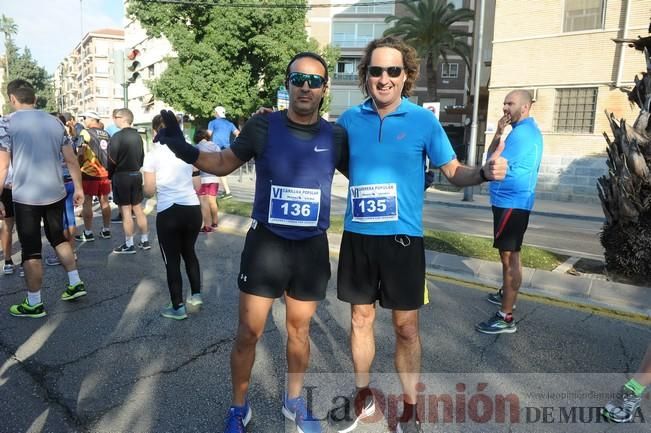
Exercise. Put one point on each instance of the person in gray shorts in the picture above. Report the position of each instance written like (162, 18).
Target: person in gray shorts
(38, 191)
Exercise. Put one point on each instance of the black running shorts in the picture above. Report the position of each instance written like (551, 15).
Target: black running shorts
(271, 265)
(28, 226)
(389, 269)
(7, 201)
(509, 226)
(127, 188)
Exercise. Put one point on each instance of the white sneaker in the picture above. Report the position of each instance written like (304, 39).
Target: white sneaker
(195, 300)
(8, 268)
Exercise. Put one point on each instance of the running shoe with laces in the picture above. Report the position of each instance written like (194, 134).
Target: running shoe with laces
(496, 325)
(8, 268)
(174, 313)
(357, 406)
(226, 196)
(496, 298)
(52, 261)
(124, 249)
(26, 310)
(144, 245)
(73, 292)
(623, 408)
(237, 419)
(411, 426)
(83, 237)
(105, 234)
(297, 411)
(195, 300)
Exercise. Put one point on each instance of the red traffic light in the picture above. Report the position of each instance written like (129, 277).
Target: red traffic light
(133, 54)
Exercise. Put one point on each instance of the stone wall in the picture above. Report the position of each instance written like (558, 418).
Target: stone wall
(561, 178)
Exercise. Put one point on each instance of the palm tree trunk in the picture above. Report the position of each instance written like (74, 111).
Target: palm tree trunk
(432, 76)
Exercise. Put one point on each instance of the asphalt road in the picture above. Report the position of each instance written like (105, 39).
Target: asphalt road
(568, 236)
(110, 363)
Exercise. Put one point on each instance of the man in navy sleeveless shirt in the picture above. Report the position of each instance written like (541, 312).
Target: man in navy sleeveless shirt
(286, 250)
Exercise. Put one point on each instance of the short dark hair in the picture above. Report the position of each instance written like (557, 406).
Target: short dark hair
(410, 61)
(22, 90)
(201, 134)
(311, 55)
(157, 123)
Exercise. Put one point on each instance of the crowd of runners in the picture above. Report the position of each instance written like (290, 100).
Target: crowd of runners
(381, 146)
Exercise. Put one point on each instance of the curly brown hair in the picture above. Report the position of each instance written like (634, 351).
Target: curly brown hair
(410, 60)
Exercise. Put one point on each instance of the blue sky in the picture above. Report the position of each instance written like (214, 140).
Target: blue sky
(52, 28)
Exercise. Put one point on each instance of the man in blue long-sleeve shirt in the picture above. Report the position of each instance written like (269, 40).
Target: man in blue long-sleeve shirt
(512, 200)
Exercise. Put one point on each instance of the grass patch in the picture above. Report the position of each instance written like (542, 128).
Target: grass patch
(443, 242)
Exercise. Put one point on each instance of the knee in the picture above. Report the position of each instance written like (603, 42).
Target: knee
(407, 332)
(298, 332)
(247, 335)
(362, 319)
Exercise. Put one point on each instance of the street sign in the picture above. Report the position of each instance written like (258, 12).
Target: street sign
(282, 97)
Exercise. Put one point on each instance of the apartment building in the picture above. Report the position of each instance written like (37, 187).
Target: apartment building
(84, 80)
(351, 24)
(561, 51)
(151, 53)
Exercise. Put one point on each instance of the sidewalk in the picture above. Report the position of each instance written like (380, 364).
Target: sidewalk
(585, 290)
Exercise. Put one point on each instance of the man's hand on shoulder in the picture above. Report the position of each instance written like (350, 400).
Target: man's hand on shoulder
(262, 110)
(172, 136)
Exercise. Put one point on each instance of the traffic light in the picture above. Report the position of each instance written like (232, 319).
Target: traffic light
(133, 65)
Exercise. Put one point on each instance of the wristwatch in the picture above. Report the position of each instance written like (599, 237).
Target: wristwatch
(483, 175)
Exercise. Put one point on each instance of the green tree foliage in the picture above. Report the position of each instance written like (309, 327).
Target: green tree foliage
(235, 57)
(430, 28)
(23, 66)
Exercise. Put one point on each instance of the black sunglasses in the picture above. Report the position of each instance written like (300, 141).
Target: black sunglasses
(314, 81)
(392, 71)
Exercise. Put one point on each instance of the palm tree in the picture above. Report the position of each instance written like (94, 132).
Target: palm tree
(9, 28)
(430, 29)
(625, 192)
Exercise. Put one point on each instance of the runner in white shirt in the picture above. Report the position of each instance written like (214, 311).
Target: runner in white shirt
(177, 223)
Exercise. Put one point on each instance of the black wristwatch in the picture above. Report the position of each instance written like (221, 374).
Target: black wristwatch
(482, 175)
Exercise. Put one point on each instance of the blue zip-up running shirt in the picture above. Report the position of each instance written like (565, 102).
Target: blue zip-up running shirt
(386, 167)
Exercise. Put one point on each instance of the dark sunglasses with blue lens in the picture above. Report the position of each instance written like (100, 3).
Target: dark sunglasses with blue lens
(314, 81)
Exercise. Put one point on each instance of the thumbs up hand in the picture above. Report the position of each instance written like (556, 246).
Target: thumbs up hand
(496, 166)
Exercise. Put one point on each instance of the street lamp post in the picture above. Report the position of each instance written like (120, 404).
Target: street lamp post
(472, 148)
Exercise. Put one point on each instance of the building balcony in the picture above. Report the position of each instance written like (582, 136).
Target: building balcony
(344, 76)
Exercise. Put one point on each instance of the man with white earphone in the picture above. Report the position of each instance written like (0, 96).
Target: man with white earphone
(382, 253)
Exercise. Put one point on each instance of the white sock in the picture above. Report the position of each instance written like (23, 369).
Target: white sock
(73, 277)
(144, 237)
(88, 232)
(34, 298)
(106, 229)
(129, 241)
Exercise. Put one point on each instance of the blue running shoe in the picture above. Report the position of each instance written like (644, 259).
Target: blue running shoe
(496, 325)
(237, 419)
(296, 410)
(174, 313)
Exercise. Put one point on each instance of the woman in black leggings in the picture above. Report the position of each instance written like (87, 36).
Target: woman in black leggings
(177, 223)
